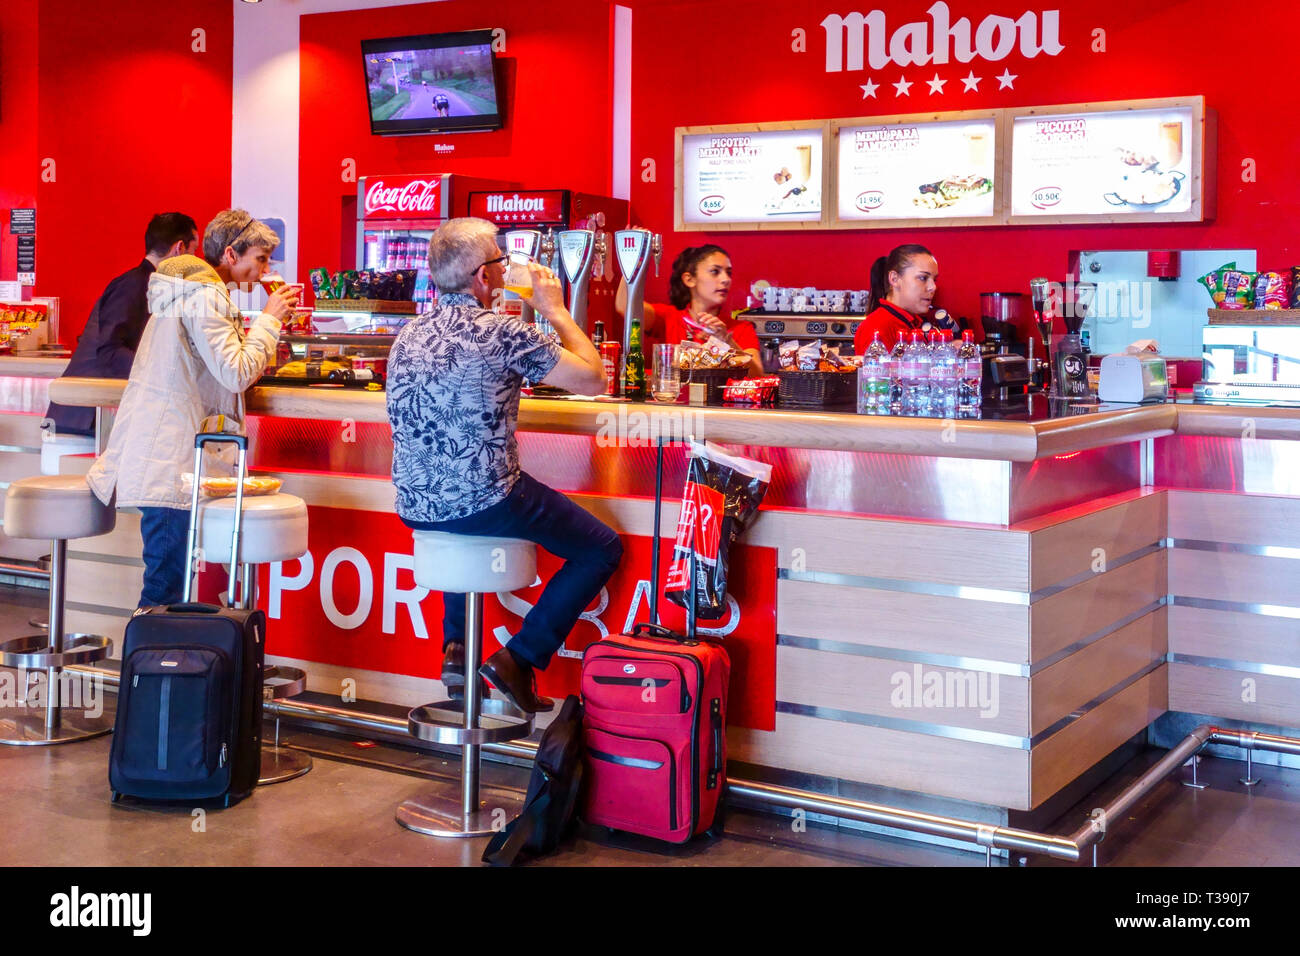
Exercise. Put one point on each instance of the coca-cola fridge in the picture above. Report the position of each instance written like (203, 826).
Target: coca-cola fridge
(535, 218)
(397, 214)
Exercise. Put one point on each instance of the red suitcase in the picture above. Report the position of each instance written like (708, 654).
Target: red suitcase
(655, 723)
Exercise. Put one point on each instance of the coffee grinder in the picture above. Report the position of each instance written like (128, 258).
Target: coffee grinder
(1043, 316)
(1006, 372)
(1070, 363)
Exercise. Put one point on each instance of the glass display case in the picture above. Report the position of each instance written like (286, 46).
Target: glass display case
(329, 360)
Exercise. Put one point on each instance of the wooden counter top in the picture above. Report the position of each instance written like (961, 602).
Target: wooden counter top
(31, 366)
(978, 439)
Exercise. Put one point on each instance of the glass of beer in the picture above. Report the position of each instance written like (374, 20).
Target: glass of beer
(1171, 143)
(518, 279)
(272, 281)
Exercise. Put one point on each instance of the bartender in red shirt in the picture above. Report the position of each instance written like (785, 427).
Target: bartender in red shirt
(698, 289)
(902, 287)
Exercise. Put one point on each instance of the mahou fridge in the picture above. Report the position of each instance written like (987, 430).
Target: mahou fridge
(397, 214)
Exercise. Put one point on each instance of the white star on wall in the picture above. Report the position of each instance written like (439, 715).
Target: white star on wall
(972, 82)
(869, 89)
(936, 84)
(1007, 79)
(902, 87)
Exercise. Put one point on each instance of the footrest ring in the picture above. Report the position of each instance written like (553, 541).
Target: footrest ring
(280, 682)
(442, 723)
(33, 653)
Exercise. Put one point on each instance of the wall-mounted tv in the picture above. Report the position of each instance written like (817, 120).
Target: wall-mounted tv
(434, 83)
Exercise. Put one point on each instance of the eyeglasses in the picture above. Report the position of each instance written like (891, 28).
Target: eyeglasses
(496, 260)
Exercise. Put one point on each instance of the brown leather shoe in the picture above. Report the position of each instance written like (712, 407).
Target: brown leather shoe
(453, 666)
(517, 682)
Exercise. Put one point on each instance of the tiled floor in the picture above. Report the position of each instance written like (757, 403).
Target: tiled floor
(54, 810)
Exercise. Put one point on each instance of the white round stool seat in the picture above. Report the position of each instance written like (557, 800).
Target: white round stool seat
(55, 507)
(274, 529)
(463, 564)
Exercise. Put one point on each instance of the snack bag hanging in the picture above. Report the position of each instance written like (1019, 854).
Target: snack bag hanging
(722, 494)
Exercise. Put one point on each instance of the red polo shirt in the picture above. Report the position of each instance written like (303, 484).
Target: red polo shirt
(673, 322)
(890, 321)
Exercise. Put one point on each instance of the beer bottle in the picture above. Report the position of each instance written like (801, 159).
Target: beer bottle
(598, 333)
(635, 387)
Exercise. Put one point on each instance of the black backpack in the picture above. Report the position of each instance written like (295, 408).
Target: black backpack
(549, 808)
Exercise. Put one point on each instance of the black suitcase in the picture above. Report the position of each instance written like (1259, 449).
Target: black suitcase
(189, 703)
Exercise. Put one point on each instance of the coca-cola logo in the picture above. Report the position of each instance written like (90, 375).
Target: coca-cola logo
(416, 196)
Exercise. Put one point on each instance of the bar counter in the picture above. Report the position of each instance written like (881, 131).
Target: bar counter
(979, 613)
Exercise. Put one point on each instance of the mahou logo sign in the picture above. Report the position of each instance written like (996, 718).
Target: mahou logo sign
(856, 40)
(414, 197)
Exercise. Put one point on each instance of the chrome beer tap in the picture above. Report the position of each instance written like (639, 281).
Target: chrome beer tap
(657, 249)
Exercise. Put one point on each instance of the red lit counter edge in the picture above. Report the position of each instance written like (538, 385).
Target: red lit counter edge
(973, 610)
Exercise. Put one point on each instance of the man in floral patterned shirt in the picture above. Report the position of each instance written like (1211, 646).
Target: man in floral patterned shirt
(454, 376)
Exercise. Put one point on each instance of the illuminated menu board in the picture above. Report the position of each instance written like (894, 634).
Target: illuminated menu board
(1131, 164)
(917, 169)
(760, 178)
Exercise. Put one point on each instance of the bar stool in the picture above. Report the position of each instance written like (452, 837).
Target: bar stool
(274, 529)
(456, 564)
(58, 508)
(54, 447)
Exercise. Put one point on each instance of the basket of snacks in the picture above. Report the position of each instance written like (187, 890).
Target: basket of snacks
(814, 376)
(714, 363)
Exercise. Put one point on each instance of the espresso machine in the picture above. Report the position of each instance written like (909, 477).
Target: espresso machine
(634, 249)
(1007, 371)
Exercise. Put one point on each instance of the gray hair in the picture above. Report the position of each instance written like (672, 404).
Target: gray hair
(238, 230)
(457, 249)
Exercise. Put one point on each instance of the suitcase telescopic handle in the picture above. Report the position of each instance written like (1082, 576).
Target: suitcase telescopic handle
(200, 440)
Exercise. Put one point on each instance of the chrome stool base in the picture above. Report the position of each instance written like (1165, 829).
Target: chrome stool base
(279, 763)
(441, 813)
(25, 727)
(443, 722)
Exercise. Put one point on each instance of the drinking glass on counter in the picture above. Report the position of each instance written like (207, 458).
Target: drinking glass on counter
(666, 378)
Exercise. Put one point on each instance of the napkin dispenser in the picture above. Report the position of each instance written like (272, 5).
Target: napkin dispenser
(1133, 379)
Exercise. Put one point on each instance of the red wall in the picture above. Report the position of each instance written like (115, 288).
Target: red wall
(135, 120)
(554, 52)
(18, 112)
(732, 62)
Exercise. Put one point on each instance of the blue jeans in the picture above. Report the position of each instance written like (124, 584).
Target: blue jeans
(164, 532)
(590, 548)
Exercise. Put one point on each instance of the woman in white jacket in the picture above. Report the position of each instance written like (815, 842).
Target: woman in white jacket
(190, 373)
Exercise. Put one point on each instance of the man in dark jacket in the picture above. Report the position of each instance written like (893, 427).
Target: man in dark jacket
(107, 345)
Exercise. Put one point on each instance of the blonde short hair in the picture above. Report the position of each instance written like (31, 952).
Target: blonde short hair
(238, 230)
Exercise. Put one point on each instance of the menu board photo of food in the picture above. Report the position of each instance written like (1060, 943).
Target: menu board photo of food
(923, 170)
(751, 176)
(1130, 162)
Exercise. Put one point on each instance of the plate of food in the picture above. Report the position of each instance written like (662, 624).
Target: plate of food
(945, 192)
(1147, 189)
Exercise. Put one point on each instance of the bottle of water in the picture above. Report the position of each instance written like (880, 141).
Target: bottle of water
(874, 379)
(970, 369)
(916, 376)
(943, 375)
(896, 375)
